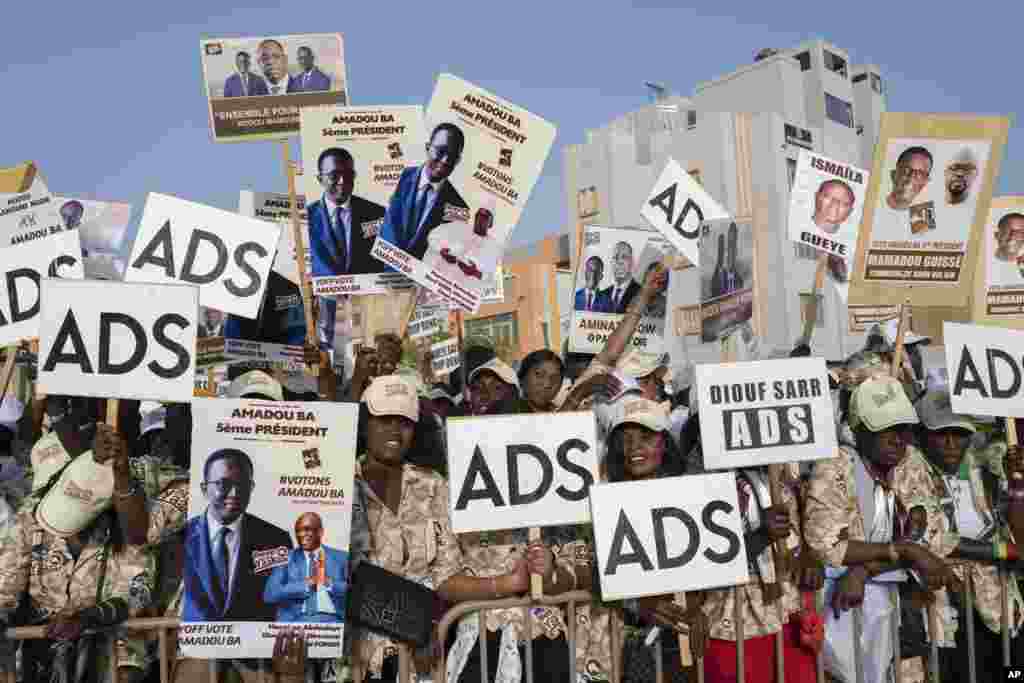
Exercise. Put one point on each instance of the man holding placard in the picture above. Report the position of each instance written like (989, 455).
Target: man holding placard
(849, 520)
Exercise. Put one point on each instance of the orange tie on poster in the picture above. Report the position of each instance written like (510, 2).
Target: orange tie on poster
(318, 570)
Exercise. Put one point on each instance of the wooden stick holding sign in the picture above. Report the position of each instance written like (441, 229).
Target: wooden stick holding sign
(410, 311)
(8, 371)
(810, 301)
(897, 354)
(536, 580)
(1004, 588)
(326, 386)
(113, 409)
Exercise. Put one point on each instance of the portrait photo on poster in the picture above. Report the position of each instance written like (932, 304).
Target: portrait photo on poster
(101, 228)
(826, 204)
(726, 277)
(267, 539)
(257, 86)
(449, 218)
(359, 154)
(613, 266)
(927, 200)
(999, 276)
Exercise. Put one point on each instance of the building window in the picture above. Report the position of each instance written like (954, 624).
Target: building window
(691, 118)
(790, 172)
(839, 110)
(876, 83)
(502, 330)
(859, 77)
(835, 63)
(805, 60)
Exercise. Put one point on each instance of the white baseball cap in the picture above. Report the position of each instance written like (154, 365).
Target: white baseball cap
(153, 415)
(641, 411)
(880, 403)
(84, 490)
(11, 411)
(392, 395)
(499, 368)
(638, 364)
(256, 382)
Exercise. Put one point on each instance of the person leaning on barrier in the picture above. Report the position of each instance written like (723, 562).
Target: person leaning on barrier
(970, 519)
(850, 521)
(67, 552)
(640, 447)
(409, 529)
(772, 599)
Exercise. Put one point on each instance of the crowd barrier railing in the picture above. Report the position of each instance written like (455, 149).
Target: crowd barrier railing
(570, 601)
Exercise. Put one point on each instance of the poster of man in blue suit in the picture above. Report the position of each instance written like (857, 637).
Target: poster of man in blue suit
(312, 586)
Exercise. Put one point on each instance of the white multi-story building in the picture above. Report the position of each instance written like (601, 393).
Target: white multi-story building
(808, 97)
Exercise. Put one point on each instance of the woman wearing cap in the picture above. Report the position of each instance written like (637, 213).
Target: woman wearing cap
(850, 521)
(640, 447)
(598, 377)
(409, 527)
(493, 389)
(540, 379)
(968, 516)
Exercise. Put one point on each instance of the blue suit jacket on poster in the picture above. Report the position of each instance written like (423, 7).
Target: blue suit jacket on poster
(398, 228)
(602, 304)
(295, 602)
(233, 86)
(316, 81)
(323, 246)
(202, 600)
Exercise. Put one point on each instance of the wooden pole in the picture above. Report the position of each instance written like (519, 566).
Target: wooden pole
(536, 580)
(811, 305)
(897, 354)
(8, 371)
(113, 408)
(327, 379)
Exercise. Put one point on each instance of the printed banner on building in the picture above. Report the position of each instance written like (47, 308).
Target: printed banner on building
(444, 356)
(515, 471)
(257, 87)
(726, 278)
(826, 204)
(765, 412)
(22, 267)
(449, 219)
(274, 207)
(278, 477)
(669, 535)
(926, 209)
(117, 340)
(676, 208)
(356, 156)
(228, 256)
(986, 369)
(999, 279)
(614, 264)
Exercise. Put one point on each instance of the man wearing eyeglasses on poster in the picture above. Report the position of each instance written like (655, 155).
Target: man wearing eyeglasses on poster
(342, 226)
(230, 553)
(424, 198)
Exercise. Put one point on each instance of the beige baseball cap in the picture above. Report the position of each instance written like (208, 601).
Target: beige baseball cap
(392, 395)
(256, 382)
(84, 490)
(637, 364)
(48, 455)
(880, 403)
(499, 368)
(936, 412)
(633, 409)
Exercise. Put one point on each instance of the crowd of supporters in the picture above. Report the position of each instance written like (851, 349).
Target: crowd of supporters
(918, 506)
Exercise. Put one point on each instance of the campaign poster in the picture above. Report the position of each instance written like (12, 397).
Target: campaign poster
(999, 280)
(256, 87)
(826, 204)
(355, 157)
(101, 229)
(765, 412)
(926, 208)
(270, 511)
(29, 213)
(449, 218)
(726, 277)
(22, 269)
(275, 207)
(614, 264)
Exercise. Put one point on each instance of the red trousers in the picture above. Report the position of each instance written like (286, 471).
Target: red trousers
(759, 659)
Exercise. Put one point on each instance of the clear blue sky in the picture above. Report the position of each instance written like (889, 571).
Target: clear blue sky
(110, 101)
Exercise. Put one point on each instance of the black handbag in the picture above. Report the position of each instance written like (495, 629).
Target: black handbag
(395, 606)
